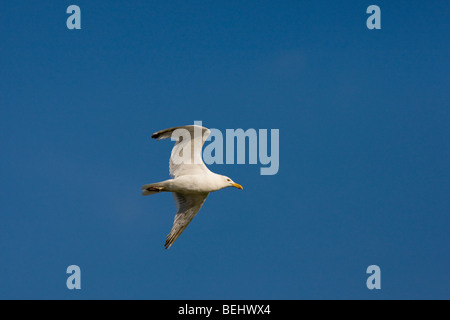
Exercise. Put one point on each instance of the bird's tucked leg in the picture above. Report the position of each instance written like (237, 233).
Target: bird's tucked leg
(151, 189)
(157, 189)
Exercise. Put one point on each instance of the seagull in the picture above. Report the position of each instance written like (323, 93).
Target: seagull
(191, 180)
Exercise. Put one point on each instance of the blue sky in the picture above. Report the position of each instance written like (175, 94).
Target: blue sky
(364, 150)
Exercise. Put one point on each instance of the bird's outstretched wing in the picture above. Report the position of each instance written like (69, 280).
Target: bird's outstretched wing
(187, 207)
(186, 157)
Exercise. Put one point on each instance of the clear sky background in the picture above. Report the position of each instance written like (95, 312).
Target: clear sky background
(364, 148)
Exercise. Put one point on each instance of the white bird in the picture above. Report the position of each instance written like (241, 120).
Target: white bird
(192, 180)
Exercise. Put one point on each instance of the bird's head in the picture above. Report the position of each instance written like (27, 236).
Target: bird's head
(230, 183)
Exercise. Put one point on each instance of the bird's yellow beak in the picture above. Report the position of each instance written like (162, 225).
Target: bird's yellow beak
(237, 186)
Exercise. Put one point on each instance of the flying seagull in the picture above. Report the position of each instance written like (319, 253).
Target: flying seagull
(192, 180)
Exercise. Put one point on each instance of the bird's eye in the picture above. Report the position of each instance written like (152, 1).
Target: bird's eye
(228, 179)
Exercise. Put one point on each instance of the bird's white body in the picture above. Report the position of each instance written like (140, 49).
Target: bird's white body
(195, 183)
(192, 180)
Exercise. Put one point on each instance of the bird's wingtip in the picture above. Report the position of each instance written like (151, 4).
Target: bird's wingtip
(168, 244)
